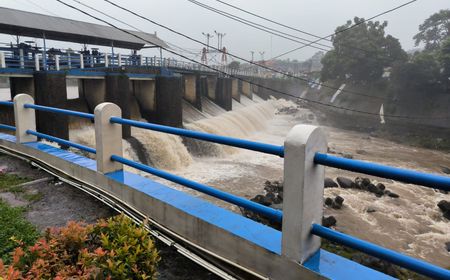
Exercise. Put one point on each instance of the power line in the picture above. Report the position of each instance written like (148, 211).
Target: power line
(240, 58)
(259, 26)
(237, 77)
(295, 29)
(348, 28)
(123, 22)
(272, 21)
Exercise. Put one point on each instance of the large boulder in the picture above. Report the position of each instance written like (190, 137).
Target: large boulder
(330, 183)
(345, 183)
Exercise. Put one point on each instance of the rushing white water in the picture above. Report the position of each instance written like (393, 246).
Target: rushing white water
(411, 224)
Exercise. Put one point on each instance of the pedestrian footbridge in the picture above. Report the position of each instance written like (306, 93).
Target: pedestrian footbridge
(230, 245)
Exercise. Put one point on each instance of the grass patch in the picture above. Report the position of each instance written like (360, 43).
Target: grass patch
(32, 197)
(9, 182)
(14, 228)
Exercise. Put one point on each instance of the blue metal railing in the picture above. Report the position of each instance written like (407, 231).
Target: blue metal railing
(7, 127)
(7, 103)
(233, 199)
(62, 141)
(60, 111)
(408, 176)
(403, 175)
(394, 257)
(234, 142)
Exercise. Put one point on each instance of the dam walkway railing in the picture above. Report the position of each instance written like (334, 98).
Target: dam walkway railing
(289, 254)
(20, 60)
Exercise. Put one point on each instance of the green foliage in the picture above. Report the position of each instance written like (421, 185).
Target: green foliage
(434, 30)
(360, 55)
(234, 65)
(14, 227)
(421, 72)
(8, 182)
(111, 249)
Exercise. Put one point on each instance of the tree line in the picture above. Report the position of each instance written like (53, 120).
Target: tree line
(366, 55)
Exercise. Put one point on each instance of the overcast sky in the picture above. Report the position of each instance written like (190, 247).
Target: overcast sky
(317, 17)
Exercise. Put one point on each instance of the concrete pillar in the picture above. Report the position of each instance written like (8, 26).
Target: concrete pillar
(211, 87)
(144, 91)
(223, 96)
(25, 119)
(2, 60)
(94, 92)
(169, 94)
(21, 85)
(245, 89)
(51, 90)
(118, 92)
(303, 191)
(235, 90)
(81, 61)
(191, 92)
(36, 62)
(21, 59)
(108, 137)
(57, 62)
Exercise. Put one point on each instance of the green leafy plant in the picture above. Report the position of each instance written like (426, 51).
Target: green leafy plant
(111, 249)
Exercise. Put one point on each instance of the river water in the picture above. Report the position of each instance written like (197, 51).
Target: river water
(411, 224)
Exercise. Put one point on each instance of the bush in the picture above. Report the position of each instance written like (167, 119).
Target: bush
(14, 227)
(111, 249)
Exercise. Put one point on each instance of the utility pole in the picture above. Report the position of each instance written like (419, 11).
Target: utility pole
(262, 56)
(208, 36)
(219, 39)
(252, 52)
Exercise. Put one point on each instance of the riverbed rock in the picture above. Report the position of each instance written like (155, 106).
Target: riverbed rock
(330, 183)
(371, 209)
(338, 201)
(329, 221)
(445, 169)
(273, 186)
(374, 189)
(328, 201)
(362, 183)
(345, 183)
(261, 199)
(381, 186)
(444, 205)
(347, 155)
(394, 195)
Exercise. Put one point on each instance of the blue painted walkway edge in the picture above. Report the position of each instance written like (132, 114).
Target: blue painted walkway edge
(323, 262)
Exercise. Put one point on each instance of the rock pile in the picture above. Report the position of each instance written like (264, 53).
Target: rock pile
(360, 184)
(444, 205)
(273, 198)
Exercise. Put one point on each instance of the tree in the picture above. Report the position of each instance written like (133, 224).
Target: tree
(444, 60)
(434, 30)
(234, 65)
(361, 54)
(421, 73)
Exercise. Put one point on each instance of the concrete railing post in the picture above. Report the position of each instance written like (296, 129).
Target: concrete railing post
(108, 137)
(302, 191)
(24, 118)
(81, 61)
(21, 59)
(36, 62)
(57, 62)
(119, 59)
(2, 60)
(69, 61)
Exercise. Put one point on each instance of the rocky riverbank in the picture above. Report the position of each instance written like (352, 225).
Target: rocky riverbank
(273, 197)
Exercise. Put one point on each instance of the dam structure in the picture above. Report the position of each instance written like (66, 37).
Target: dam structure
(47, 95)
